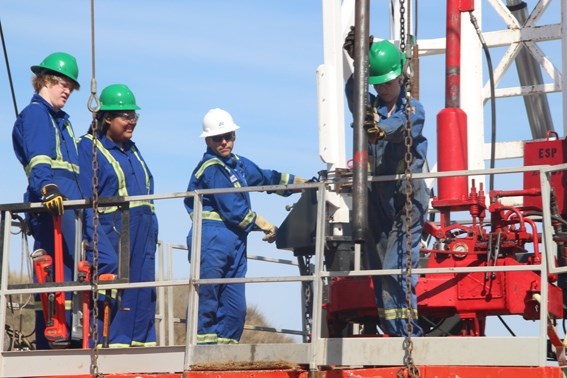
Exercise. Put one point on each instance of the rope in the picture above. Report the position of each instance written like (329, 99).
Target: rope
(93, 103)
(8, 70)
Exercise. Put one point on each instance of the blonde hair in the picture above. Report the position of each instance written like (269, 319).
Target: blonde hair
(40, 80)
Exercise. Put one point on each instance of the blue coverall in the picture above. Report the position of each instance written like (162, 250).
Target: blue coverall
(386, 244)
(45, 145)
(123, 172)
(227, 220)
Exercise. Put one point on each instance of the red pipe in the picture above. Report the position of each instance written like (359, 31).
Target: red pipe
(453, 55)
(452, 154)
(452, 151)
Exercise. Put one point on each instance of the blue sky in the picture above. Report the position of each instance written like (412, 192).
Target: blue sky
(180, 58)
(256, 59)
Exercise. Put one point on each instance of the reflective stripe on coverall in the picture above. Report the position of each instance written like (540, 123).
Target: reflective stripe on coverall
(227, 220)
(123, 172)
(45, 145)
(386, 244)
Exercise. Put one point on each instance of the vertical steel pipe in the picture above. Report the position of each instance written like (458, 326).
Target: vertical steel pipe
(360, 157)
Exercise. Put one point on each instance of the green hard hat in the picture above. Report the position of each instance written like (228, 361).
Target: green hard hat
(117, 97)
(385, 61)
(60, 63)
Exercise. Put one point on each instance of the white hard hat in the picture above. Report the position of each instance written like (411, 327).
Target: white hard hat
(217, 122)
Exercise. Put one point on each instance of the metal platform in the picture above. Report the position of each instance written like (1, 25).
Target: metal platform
(347, 352)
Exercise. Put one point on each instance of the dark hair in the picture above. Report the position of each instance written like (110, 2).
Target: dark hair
(98, 121)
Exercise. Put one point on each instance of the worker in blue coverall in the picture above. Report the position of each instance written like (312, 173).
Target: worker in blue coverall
(385, 121)
(45, 145)
(123, 172)
(227, 220)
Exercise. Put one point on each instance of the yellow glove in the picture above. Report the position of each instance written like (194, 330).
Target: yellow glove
(298, 180)
(52, 199)
(375, 133)
(269, 229)
(371, 120)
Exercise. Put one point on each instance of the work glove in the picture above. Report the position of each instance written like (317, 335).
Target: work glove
(52, 199)
(348, 45)
(298, 180)
(371, 119)
(269, 229)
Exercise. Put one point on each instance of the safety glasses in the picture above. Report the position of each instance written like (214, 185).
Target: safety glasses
(128, 116)
(64, 83)
(229, 137)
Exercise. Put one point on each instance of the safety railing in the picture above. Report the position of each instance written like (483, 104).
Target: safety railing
(171, 319)
(320, 351)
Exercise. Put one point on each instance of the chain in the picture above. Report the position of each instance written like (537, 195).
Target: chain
(94, 287)
(93, 105)
(409, 370)
(402, 27)
(308, 293)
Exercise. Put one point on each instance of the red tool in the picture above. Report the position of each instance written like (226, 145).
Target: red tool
(43, 267)
(106, 311)
(56, 327)
(84, 269)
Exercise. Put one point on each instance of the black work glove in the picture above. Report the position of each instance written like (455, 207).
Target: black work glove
(52, 199)
(373, 131)
(348, 45)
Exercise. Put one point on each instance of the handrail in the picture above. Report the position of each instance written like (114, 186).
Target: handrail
(317, 353)
(113, 201)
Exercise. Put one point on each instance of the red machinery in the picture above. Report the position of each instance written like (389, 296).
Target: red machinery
(473, 296)
(509, 239)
